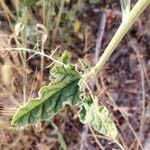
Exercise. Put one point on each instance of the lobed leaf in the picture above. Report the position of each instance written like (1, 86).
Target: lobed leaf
(63, 89)
(97, 117)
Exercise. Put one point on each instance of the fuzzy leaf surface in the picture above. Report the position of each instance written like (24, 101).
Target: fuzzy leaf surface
(97, 117)
(63, 89)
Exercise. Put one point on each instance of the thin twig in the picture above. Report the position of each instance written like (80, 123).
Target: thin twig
(84, 137)
(143, 90)
(32, 51)
(102, 24)
(97, 141)
(126, 119)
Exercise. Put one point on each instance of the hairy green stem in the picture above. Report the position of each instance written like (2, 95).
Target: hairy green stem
(121, 32)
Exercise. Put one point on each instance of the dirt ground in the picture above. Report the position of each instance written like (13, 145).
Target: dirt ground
(123, 85)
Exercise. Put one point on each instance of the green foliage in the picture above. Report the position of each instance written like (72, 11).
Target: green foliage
(69, 18)
(97, 117)
(63, 89)
(30, 3)
(23, 16)
(50, 13)
(78, 7)
(66, 23)
(31, 31)
(94, 1)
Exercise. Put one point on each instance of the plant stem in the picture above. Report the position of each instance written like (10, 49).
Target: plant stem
(121, 32)
(61, 9)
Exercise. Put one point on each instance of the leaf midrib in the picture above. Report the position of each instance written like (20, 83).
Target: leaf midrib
(46, 99)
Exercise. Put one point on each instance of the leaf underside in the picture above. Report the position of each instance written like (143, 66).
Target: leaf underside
(63, 89)
(97, 117)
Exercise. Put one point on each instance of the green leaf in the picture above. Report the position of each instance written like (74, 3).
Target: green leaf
(63, 89)
(97, 117)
